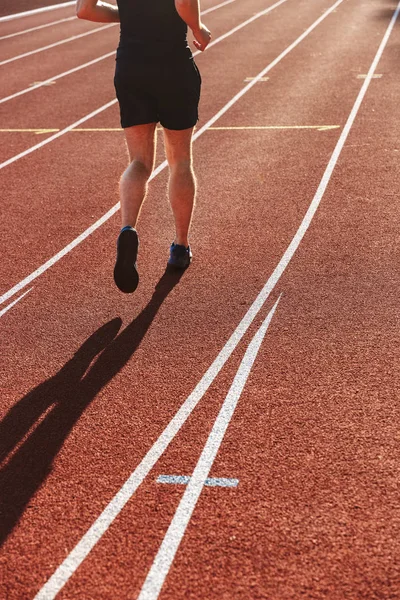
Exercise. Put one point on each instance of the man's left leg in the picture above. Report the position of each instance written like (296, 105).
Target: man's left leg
(182, 191)
(141, 142)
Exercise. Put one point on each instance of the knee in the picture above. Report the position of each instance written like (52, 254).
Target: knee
(138, 169)
(182, 166)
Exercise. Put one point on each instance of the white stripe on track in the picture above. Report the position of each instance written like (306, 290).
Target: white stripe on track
(56, 135)
(114, 209)
(87, 117)
(64, 4)
(262, 13)
(112, 510)
(11, 35)
(210, 10)
(36, 11)
(170, 544)
(109, 54)
(74, 18)
(64, 41)
(7, 308)
(31, 88)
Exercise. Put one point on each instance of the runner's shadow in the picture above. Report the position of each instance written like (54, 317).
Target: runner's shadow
(34, 430)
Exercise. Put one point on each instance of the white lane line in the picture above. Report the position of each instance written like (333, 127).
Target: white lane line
(244, 24)
(112, 510)
(221, 482)
(36, 11)
(210, 481)
(173, 479)
(13, 452)
(56, 135)
(71, 563)
(64, 4)
(7, 308)
(102, 108)
(170, 544)
(114, 209)
(256, 79)
(59, 43)
(11, 35)
(31, 88)
(209, 10)
(87, 64)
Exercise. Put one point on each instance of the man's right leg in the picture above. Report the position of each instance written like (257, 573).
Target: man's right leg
(140, 140)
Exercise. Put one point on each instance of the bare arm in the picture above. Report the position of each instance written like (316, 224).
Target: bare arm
(189, 11)
(98, 11)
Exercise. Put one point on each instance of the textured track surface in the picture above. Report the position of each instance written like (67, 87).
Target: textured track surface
(12, 7)
(90, 378)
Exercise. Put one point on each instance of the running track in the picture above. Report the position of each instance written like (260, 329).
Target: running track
(287, 322)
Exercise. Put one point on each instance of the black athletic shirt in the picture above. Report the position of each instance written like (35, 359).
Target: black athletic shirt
(151, 29)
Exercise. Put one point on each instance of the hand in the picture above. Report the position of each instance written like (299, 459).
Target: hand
(202, 37)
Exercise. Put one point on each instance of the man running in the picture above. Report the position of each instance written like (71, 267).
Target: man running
(156, 81)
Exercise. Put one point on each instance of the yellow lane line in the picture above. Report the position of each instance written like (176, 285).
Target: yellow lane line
(365, 75)
(37, 131)
(238, 128)
(318, 127)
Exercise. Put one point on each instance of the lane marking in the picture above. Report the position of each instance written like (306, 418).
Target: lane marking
(173, 479)
(210, 10)
(64, 41)
(56, 135)
(7, 308)
(227, 128)
(221, 482)
(78, 554)
(114, 209)
(15, 449)
(363, 76)
(36, 131)
(112, 102)
(44, 83)
(276, 127)
(31, 88)
(251, 78)
(11, 35)
(244, 24)
(87, 64)
(170, 544)
(210, 481)
(36, 11)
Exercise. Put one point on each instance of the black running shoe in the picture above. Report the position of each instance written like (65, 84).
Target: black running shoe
(126, 276)
(180, 257)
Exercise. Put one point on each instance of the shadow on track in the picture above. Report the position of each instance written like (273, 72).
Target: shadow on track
(387, 11)
(53, 408)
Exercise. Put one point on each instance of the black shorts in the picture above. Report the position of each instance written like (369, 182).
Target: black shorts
(165, 92)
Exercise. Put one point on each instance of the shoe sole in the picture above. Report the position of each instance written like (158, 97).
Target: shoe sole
(126, 276)
(177, 266)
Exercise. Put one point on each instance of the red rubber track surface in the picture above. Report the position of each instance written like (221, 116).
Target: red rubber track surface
(12, 7)
(90, 377)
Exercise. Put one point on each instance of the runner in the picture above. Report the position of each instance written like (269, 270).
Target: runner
(156, 81)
